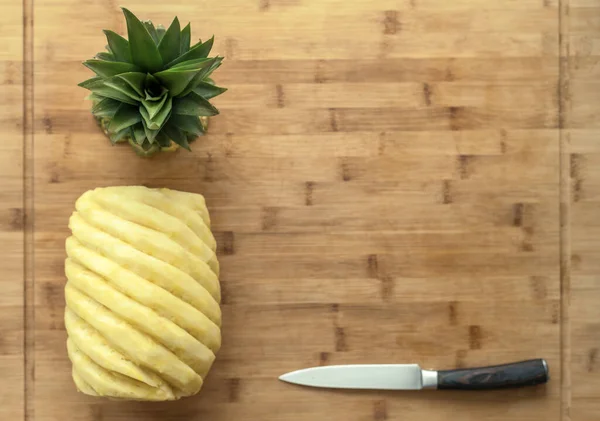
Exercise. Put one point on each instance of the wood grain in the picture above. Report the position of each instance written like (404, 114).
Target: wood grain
(389, 181)
(12, 213)
(584, 183)
(350, 181)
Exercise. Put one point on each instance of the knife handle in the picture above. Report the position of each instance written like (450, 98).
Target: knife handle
(523, 373)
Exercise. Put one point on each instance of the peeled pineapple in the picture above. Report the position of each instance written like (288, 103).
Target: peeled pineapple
(142, 298)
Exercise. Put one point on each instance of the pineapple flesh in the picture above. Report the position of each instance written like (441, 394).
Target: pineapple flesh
(142, 312)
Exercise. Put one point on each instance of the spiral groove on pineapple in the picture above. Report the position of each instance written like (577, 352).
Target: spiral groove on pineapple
(142, 313)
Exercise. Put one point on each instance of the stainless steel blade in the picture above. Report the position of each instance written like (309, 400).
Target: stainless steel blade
(365, 376)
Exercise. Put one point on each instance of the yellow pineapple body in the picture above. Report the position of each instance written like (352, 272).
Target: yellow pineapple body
(143, 313)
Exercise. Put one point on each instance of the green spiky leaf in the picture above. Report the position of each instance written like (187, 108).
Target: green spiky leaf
(107, 107)
(204, 65)
(90, 82)
(135, 80)
(109, 68)
(160, 32)
(156, 122)
(169, 44)
(193, 104)
(163, 140)
(186, 36)
(144, 51)
(216, 64)
(100, 88)
(187, 123)
(176, 80)
(138, 132)
(125, 116)
(94, 98)
(208, 91)
(155, 97)
(118, 46)
(122, 86)
(146, 118)
(176, 135)
(154, 107)
(200, 50)
(119, 136)
(151, 30)
(197, 64)
(152, 89)
(150, 134)
(165, 112)
(202, 75)
(105, 56)
(145, 149)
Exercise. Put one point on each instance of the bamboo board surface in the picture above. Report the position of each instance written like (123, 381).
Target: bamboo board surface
(389, 181)
(12, 324)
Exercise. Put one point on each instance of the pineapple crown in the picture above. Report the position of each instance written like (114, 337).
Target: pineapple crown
(152, 89)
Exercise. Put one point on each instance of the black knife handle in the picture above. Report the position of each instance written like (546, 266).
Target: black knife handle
(523, 373)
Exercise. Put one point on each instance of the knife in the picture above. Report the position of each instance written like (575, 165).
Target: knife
(412, 377)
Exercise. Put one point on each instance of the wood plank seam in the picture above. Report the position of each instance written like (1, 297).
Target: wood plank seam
(564, 203)
(28, 207)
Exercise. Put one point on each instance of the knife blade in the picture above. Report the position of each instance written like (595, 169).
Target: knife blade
(412, 377)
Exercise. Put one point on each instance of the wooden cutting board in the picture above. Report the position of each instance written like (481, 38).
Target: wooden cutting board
(390, 181)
